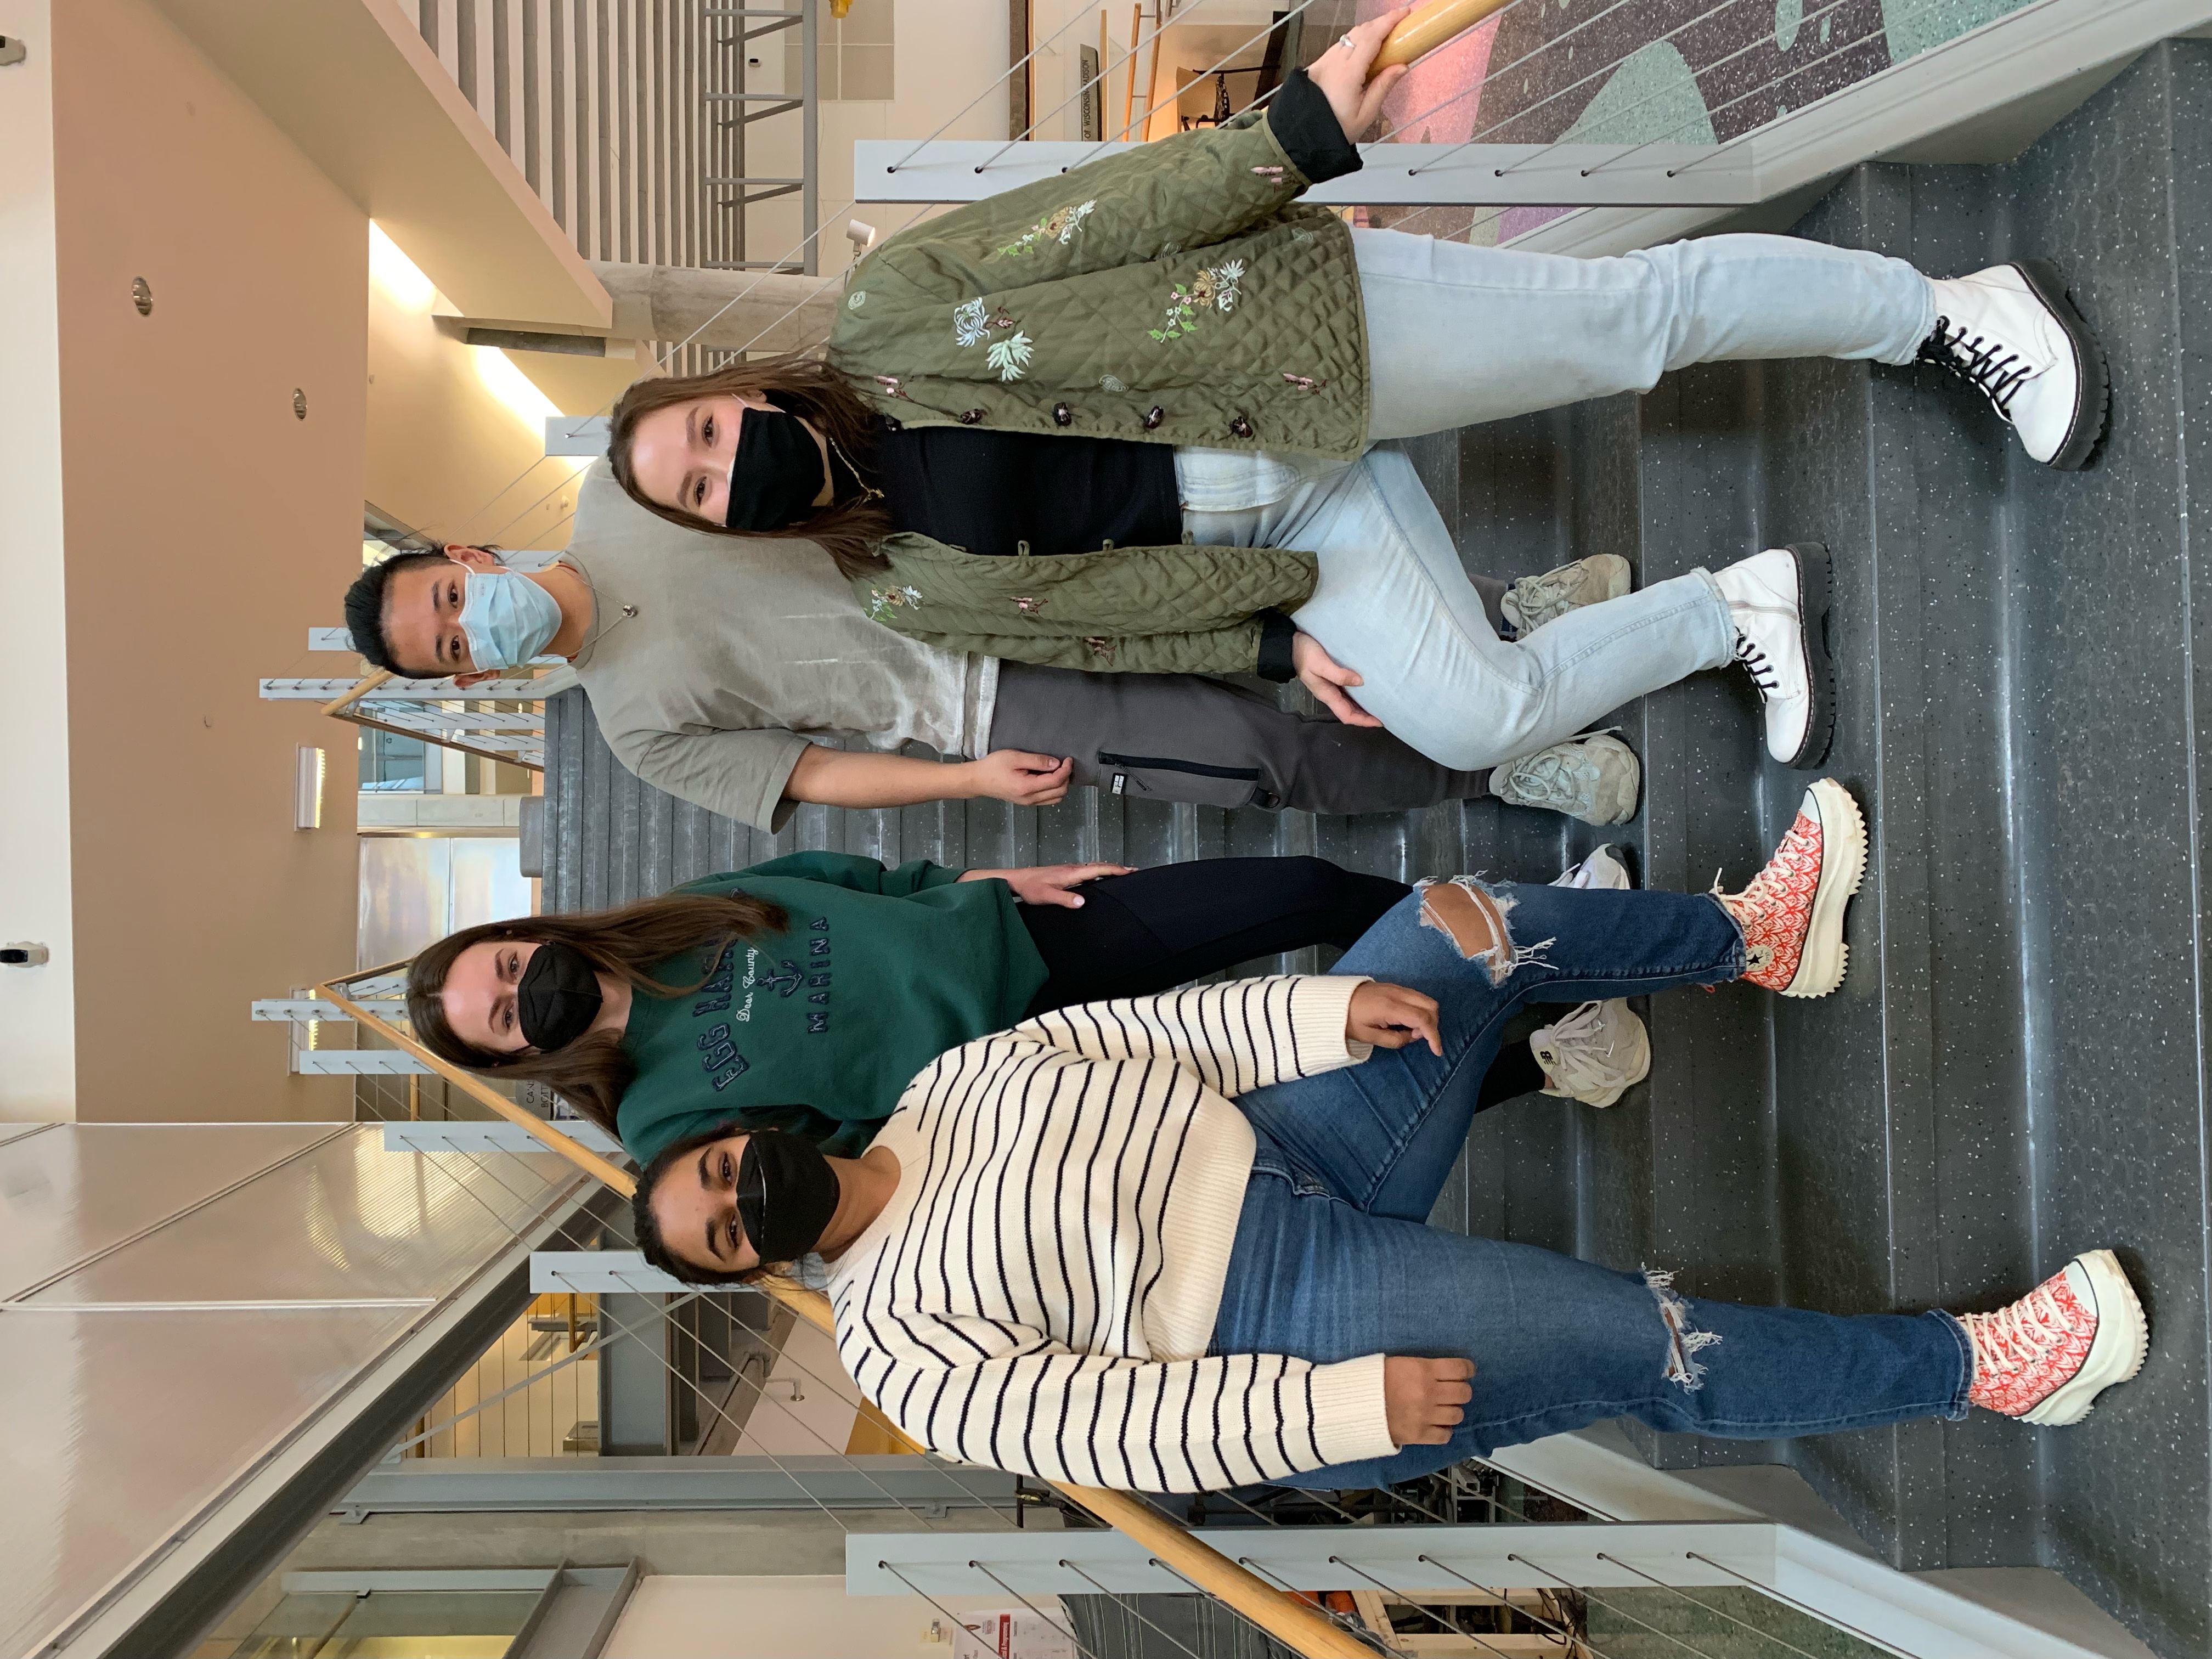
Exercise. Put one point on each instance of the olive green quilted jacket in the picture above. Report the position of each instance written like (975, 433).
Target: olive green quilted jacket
(1190, 609)
(1176, 293)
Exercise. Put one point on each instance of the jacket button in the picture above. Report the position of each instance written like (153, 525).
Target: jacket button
(970, 416)
(892, 423)
(1061, 415)
(1153, 416)
(1241, 427)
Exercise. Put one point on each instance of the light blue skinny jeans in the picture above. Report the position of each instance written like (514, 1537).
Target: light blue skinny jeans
(1458, 335)
(1333, 1258)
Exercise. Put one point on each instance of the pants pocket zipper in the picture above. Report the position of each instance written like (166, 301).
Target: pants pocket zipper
(1155, 763)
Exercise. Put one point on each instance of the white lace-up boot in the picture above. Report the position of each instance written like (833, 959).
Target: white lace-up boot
(1595, 1053)
(1778, 601)
(2011, 333)
(2046, 1358)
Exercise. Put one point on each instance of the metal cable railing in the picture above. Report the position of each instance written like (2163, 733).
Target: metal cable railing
(1260, 1594)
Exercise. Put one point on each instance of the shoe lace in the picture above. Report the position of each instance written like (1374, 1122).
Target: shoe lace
(2019, 1334)
(1984, 364)
(1548, 779)
(1754, 902)
(1570, 1053)
(1763, 674)
(1537, 592)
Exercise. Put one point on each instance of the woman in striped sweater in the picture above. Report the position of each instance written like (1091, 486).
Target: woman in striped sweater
(1178, 1242)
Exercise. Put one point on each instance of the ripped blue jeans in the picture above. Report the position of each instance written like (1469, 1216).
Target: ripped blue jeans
(1334, 1259)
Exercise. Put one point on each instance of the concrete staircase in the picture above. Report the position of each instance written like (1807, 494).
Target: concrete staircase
(2014, 1069)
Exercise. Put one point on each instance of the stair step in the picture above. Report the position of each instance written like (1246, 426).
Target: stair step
(2011, 1072)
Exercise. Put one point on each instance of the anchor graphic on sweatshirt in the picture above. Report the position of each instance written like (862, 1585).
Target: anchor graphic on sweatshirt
(786, 982)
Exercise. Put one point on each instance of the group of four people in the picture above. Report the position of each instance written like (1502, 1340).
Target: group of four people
(1074, 455)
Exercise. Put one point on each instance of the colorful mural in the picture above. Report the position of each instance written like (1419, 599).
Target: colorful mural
(1637, 71)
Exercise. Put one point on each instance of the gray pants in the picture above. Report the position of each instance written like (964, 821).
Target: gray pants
(1179, 737)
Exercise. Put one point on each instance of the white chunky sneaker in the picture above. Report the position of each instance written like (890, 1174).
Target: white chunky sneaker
(2046, 1358)
(1602, 869)
(1778, 601)
(1595, 1053)
(1534, 600)
(2011, 333)
(1595, 778)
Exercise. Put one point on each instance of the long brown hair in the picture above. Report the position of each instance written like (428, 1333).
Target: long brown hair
(627, 943)
(801, 382)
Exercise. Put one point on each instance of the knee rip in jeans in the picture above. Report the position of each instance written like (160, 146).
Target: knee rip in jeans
(1682, 1342)
(1472, 917)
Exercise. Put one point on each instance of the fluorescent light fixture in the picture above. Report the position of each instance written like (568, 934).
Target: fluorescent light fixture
(307, 790)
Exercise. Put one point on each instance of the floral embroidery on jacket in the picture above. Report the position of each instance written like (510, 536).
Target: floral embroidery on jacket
(882, 601)
(1303, 382)
(891, 386)
(1060, 226)
(1010, 357)
(1027, 606)
(1215, 288)
(973, 324)
(1111, 383)
(1102, 648)
(1273, 174)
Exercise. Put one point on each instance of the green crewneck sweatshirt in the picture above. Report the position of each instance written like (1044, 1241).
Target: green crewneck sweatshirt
(820, 1028)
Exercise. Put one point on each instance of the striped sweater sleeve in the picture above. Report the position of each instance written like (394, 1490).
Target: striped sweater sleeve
(1033, 1407)
(1236, 1037)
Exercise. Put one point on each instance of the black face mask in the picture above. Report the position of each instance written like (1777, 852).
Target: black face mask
(558, 996)
(777, 474)
(786, 1194)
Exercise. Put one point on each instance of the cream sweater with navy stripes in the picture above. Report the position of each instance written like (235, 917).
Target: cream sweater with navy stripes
(1039, 1292)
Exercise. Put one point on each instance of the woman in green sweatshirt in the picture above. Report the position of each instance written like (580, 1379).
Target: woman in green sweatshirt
(805, 994)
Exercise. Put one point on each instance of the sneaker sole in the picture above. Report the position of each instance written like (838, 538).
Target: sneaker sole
(1642, 1067)
(1624, 809)
(2116, 1353)
(2094, 397)
(1815, 594)
(1825, 958)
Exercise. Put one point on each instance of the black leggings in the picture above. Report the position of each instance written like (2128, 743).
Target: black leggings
(1138, 935)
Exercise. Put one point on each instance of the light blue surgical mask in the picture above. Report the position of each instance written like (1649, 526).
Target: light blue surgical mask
(506, 617)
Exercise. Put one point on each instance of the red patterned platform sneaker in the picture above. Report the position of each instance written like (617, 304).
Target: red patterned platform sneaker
(1792, 914)
(2046, 1357)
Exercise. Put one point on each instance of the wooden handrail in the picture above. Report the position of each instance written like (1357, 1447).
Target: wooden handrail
(1428, 26)
(575, 1152)
(341, 708)
(1297, 1625)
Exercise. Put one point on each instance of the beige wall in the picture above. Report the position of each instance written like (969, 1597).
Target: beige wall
(448, 424)
(207, 528)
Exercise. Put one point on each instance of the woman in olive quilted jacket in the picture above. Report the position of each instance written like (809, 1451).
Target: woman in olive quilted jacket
(1139, 417)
